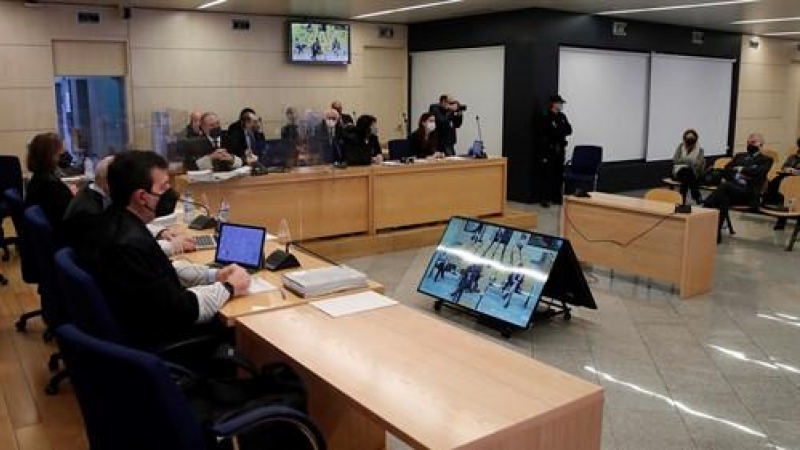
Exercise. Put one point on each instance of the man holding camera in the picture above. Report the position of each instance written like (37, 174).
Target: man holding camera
(449, 116)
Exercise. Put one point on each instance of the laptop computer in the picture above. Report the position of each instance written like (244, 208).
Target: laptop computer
(242, 245)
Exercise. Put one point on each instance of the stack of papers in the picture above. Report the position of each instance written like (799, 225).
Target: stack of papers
(354, 303)
(326, 280)
(259, 285)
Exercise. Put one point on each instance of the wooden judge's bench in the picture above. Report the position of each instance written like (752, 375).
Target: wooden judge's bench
(370, 209)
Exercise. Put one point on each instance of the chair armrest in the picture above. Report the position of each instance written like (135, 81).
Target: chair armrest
(178, 346)
(247, 420)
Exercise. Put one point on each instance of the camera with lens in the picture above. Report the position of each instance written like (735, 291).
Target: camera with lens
(461, 107)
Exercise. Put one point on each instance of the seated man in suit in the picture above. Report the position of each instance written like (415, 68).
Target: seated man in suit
(153, 300)
(743, 181)
(345, 119)
(327, 143)
(244, 137)
(88, 206)
(211, 155)
(192, 129)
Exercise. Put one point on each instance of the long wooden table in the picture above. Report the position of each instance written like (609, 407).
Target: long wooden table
(268, 301)
(644, 238)
(321, 201)
(427, 382)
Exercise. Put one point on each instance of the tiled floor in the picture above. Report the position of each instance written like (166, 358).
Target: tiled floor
(720, 371)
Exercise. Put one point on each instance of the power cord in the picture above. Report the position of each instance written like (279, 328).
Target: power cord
(635, 238)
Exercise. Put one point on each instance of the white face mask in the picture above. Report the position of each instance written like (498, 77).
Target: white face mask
(430, 126)
(374, 130)
(330, 122)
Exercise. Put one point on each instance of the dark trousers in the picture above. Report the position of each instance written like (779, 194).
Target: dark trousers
(688, 180)
(729, 193)
(553, 176)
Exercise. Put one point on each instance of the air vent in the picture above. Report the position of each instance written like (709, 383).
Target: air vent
(88, 17)
(240, 24)
(385, 32)
(618, 29)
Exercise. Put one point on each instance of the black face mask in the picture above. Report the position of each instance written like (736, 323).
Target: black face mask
(65, 160)
(752, 149)
(215, 132)
(690, 141)
(166, 203)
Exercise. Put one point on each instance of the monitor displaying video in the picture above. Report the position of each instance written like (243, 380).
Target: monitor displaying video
(493, 270)
(319, 43)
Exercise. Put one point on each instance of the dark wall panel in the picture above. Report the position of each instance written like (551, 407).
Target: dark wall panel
(532, 39)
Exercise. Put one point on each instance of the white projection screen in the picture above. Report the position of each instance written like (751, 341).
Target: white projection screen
(606, 94)
(475, 77)
(688, 92)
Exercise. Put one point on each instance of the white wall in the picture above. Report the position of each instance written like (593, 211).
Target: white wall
(182, 61)
(606, 94)
(475, 77)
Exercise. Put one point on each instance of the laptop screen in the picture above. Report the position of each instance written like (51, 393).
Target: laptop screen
(240, 244)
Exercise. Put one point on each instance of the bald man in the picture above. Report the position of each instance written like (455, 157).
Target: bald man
(88, 206)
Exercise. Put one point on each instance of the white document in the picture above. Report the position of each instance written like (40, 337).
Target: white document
(354, 303)
(259, 285)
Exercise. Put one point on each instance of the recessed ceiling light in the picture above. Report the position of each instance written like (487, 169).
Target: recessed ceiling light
(406, 8)
(777, 19)
(673, 7)
(782, 33)
(212, 3)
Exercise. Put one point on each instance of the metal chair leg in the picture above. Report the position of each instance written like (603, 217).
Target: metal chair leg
(55, 380)
(794, 235)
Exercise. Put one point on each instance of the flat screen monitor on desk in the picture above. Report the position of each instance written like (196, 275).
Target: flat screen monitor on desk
(501, 272)
(240, 244)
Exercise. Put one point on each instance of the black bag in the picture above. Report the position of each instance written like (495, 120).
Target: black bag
(712, 177)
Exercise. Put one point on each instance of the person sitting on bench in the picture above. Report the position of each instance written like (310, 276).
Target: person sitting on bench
(743, 180)
(790, 168)
(687, 165)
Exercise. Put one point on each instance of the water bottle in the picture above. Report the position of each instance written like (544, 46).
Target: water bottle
(88, 168)
(224, 211)
(188, 207)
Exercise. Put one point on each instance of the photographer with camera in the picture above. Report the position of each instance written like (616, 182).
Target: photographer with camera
(449, 116)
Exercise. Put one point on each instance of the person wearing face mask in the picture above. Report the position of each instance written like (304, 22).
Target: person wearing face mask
(743, 181)
(155, 301)
(424, 141)
(45, 189)
(88, 205)
(449, 117)
(687, 166)
(327, 143)
(244, 136)
(345, 120)
(361, 145)
(192, 129)
(554, 130)
(214, 156)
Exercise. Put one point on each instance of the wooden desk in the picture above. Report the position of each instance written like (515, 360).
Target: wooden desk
(269, 301)
(676, 248)
(432, 192)
(425, 381)
(321, 202)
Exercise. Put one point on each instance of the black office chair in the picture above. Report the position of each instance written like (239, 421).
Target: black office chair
(53, 310)
(27, 259)
(10, 178)
(583, 170)
(129, 402)
(398, 149)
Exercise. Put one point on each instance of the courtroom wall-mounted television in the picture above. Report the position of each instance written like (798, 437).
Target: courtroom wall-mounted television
(312, 42)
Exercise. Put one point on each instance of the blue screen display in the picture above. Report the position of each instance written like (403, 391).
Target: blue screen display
(240, 245)
(497, 271)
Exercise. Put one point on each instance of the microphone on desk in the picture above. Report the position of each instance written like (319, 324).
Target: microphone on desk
(477, 150)
(201, 222)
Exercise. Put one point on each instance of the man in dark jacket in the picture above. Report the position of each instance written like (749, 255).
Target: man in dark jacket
(153, 300)
(244, 135)
(743, 181)
(554, 130)
(449, 117)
